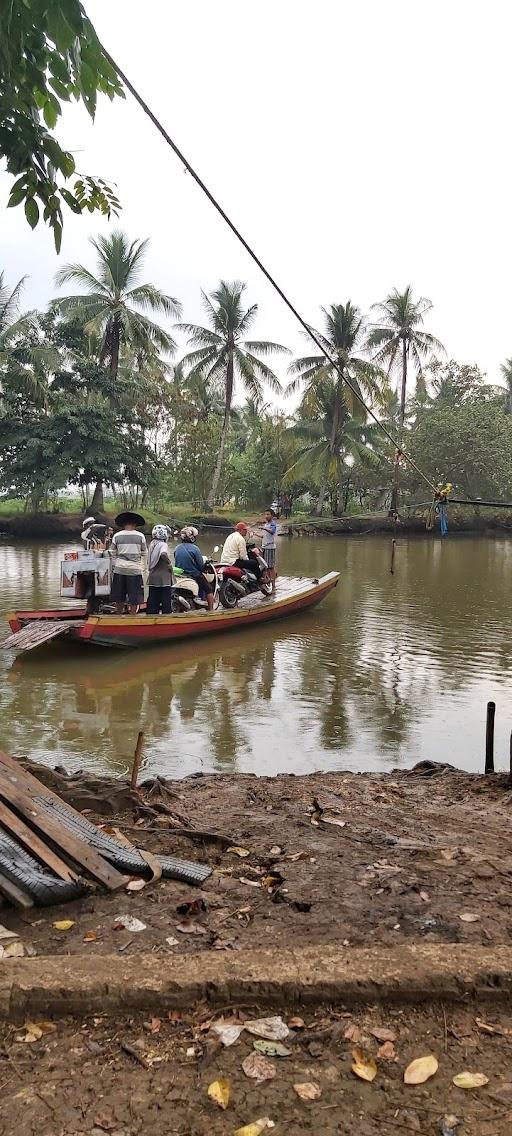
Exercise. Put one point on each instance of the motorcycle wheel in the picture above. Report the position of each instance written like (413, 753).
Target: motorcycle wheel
(177, 607)
(228, 595)
(266, 587)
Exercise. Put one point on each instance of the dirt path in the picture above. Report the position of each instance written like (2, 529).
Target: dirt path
(407, 855)
(129, 1077)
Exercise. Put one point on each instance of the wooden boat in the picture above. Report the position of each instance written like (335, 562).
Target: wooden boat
(32, 629)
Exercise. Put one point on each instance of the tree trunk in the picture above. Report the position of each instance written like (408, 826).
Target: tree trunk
(97, 503)
(321, 498)
(225, 427)
(395, 492)
(346, 495)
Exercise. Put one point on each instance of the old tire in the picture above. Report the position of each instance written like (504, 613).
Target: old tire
(228, 595)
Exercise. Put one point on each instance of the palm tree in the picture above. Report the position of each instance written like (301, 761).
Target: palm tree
(113, 306)
(221, 353)
(344, 339)
(26, 361)
(322, 454)
(398, 337)
(506, 370)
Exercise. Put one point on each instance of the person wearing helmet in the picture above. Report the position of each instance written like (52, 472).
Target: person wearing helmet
(190, 559)
(160, 573)
(235, 550)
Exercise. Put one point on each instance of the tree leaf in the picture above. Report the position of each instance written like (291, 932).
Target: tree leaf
(308, 1090)
(271, 1048)
(273, 1029)
(255, 1128)
(227, 1032)
(220, 1092)
(242, 852)
(64, 924)
(386, 1051)
(363, 1066)
(258, 1067)
(467, 1080)
(31, 212)
(468, 917)
(383, 1034)
(421, 1069)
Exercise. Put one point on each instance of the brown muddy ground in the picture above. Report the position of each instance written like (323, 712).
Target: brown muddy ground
(80, 1079)
(419, 856)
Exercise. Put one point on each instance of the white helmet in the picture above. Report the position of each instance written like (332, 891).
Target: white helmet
(189, 533)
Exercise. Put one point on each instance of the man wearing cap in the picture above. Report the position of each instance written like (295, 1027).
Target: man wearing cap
(235, 550)
(129, 561)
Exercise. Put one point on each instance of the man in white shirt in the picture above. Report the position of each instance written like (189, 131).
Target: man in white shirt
(235, 550)
(129, 556)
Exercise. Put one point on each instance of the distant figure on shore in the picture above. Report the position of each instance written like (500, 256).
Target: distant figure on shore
(129, 560)
(287, 506)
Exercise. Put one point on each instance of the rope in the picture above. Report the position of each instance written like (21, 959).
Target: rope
(144, 106)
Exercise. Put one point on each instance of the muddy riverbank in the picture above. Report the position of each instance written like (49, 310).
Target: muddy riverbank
(423, 856)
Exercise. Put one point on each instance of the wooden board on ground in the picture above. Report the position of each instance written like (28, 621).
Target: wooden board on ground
(14, 894)
(31, 841)
(14, 790)
(37, 632)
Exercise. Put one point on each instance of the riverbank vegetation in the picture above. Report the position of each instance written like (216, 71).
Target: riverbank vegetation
(95, 396)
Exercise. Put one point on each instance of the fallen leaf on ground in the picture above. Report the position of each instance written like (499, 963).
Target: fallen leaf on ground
(273, 1029)
(275, 850)
(154, 1025)
(258, 1067)
(425, 896)
(467, 1080)
(308, 1091)
(171, 942)
(136, 885)
(191, 927)
(468, 917)
(387, 1051)
(448, 1124)
(192, 907)
(44, 1026)
(252, 883)
(333, 820)
(363, 1066)
(500, 1031)
(255, 1128)
(294, 856)
(90, 937)
(237, 851)
(271, 1048)
(228, 1032)
(102, 1120)
(383, 1034)
(220, 1092)
(421, 1069)
(33, 1033)
(13, 950)
(6, 935)
(274, 879)
(64, 924)
(353, 1033)
(296, 1023)
(129, 922)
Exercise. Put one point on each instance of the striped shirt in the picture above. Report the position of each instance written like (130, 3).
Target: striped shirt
(129, 551)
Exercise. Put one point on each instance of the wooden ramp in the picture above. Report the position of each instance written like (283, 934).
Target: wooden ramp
(38, 632)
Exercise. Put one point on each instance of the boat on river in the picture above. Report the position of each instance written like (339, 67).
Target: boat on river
(32, 629)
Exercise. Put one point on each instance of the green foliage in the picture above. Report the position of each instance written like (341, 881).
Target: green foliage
(49, 54)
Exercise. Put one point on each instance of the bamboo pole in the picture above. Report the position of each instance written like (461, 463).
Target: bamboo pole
(489, 738)
(137, 758)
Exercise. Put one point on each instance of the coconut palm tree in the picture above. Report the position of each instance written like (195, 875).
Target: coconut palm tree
(398, 337)
(506, 370)
(26, 361)
(344, 339)
(113, 304)
(221, 353)
(323, 453)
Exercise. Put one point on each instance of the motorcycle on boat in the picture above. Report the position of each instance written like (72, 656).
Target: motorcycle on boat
(185, 592)
(235, 583)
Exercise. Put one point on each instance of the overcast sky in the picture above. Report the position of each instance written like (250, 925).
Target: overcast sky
(358, 147)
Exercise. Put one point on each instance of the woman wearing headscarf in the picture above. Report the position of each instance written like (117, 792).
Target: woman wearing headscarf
(160, 573)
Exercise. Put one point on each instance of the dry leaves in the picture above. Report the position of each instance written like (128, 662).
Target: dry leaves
(227, 1032)
(296, 1023)
(255, 1128)
(33, 1033)
(237, 851)
(275, 850)
(271, 1048)
(220, 1092)
(387, 1051)
(104, 1121)
(273, 1029)
(308, 1091)
(64, 924)
(90, 937)
(421, 1070)
(258, 1067)
(469, 917)
(191, 927)
(136, 885)
(467, 1080)
(383, 1034)
(500, 1031)
(294, 856)
(363, 1066)
(129, 923)
(13, 950)
(353, 1033)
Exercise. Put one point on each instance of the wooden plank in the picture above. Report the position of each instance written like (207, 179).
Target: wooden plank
(36, 633)
(31, 841)
(15, 792)
(14, 894)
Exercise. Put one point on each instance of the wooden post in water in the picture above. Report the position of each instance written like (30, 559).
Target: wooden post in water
(489, 738)
(510, 775)
(137, 758)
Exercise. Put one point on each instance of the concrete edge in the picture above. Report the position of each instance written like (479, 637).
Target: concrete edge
(75, 985)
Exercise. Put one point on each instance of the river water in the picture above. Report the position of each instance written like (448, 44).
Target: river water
(387, 671)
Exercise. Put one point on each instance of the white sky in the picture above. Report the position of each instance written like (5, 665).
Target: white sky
(358, 147)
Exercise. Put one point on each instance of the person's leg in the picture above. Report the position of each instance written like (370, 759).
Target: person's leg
(249, 566)
(153, 603)
(269, 554)
(165, 600)
(135, 591)
(118, 592)
(206, 588)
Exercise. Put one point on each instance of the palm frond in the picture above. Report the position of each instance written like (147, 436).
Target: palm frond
(149, 298)
(264, 373)
(263, 347)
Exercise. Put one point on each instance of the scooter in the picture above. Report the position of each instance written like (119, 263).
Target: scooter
(185, 595)
(235, 583)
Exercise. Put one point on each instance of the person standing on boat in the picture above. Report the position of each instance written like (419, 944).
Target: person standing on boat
(129, 558)
(235, 551)
(269, 544)
(190, 559)
(159, 573)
